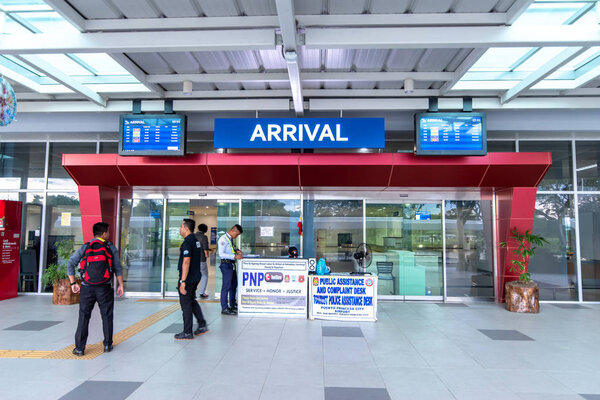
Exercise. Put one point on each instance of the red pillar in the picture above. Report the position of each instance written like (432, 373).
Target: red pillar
(10, 246)
(98, 204)
(515, 208)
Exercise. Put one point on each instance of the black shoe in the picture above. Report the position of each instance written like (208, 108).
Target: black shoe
(78, 353)
(184, 336)
(201, 330)
(234, 309)
(228, 311)
(204, 296)
(108, 348)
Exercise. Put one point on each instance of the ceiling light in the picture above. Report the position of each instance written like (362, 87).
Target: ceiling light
(409, 85)
(187, 88)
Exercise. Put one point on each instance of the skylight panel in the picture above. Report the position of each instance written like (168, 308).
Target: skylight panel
(65, 64)
(541, 57)
(10, 26)
(500, 58)
(102, 63)
(555, 13)
(47, 22)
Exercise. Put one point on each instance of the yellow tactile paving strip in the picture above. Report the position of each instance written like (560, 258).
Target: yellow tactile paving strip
(24, 353)
(93, 350)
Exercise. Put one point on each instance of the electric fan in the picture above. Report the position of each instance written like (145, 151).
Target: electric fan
(362, 259)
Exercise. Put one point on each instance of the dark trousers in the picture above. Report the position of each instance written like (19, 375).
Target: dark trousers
(229, 286)
(89, 295)
(189, 307)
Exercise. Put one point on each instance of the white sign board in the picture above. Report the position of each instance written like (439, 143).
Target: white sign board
(267, 231)
(273, 287)
(343, 297)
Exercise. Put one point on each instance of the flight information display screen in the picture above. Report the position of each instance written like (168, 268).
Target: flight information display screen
(450, 134)
(148, 135)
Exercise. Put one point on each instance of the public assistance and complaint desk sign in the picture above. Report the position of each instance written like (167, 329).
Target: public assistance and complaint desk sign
(299, 133)
(343, 297)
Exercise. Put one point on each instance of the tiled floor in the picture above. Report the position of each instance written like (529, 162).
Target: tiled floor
(414, 351)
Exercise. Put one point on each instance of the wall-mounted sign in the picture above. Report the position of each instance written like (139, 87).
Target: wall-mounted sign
(65, 219)
(267, 231)
(213, 235)
(273, 287)
(299, 133)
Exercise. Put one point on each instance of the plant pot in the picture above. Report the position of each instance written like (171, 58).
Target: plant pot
(522, 297)
(62, 293)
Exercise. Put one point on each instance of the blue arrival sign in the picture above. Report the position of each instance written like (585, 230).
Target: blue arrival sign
(299, 133)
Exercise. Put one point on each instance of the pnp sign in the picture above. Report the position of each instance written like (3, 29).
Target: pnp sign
(299, 133)
(256, 278)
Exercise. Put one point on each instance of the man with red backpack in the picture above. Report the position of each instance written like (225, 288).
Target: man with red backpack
(98, 261)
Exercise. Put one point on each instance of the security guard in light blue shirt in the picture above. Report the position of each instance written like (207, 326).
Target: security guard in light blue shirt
(229, 254)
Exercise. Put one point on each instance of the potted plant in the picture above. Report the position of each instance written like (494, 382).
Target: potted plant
(56, 275)
(523, 294)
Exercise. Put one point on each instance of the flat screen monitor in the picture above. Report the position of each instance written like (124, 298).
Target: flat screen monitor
(450, 134)
(152, 135)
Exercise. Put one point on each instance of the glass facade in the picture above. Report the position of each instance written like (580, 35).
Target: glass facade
(589, 231)
(560, 174)
(22, 165)
(566, 214)
(554, 266)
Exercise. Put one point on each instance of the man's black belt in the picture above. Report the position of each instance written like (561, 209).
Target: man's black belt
(227, 262)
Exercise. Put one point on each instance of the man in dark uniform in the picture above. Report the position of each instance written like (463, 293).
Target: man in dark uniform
(90, 294)
(203, 239)
(189, 277)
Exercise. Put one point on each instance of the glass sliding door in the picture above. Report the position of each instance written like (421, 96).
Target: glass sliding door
(228, 214)
(406, 242)
(270, 227)
(141, 244)
(333, 229)
(176, 211)
(469, 249)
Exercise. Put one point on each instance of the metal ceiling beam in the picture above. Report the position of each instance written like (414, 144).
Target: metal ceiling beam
(134, 70)
(452, 37)
(270, 93)
(59, 76)
(139, 42)
(433, 19)
(193, 23)
(515, 11)
(172, 24)
(462, 69)
(287, 26)
(558, 61)
(306, 76)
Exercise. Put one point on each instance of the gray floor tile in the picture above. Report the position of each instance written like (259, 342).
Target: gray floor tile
(296, 392)
(337, 393)
(173, 328)
(33, 326)
(342, 331)
(452, 305)
(505, 334)
(571, 306)
(100, 390)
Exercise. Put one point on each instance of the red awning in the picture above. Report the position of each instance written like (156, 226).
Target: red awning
(310, 170)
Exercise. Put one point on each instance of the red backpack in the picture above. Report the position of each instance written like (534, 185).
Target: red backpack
(96, 264)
